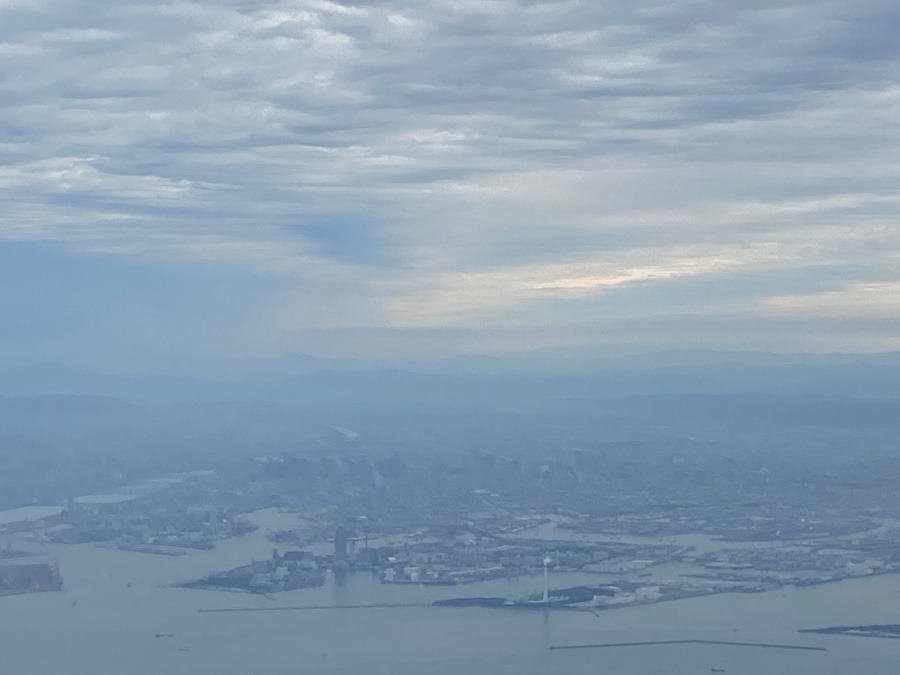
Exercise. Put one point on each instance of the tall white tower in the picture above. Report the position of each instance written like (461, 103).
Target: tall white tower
(547, 561)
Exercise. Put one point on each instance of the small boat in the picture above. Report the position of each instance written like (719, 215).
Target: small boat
(165, 635)
(184, 649)
(717, 670)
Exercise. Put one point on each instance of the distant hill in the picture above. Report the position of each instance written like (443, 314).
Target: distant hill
(488, 381)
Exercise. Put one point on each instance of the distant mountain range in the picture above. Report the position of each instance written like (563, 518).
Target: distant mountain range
(472, 380)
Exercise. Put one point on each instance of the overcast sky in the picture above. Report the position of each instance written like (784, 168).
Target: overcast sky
(439, 177)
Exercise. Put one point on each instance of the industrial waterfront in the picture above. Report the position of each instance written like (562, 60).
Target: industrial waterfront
(335, 564)
(123, 595)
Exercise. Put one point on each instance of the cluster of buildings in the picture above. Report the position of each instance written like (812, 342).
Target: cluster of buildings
(799, 563)
(291, 571)
(29, 574)
(450, 555)
(160, 530)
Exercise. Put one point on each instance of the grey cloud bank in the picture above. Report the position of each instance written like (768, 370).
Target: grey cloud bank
(443, 177)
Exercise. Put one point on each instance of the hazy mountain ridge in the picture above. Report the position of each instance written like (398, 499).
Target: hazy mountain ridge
(862, 376)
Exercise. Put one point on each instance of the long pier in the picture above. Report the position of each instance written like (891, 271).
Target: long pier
(301, 608)
(730, 643)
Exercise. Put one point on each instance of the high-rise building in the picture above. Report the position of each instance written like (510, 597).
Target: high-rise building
(340, 546)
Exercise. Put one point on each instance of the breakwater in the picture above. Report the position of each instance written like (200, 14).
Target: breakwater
(650, 643)
(301, 608)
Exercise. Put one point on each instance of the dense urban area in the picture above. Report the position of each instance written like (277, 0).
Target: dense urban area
(699, 494)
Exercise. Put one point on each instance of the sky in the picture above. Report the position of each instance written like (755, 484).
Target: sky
(429, 178)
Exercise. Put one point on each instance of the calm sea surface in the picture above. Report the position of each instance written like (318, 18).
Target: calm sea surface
(102, 625)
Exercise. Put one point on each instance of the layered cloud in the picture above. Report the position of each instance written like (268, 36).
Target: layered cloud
(477, 172)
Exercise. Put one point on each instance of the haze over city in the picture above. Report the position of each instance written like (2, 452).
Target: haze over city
(449, 336)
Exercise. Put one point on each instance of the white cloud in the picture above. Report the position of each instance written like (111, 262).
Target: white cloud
(455, 299)
(856, 300)
(448, 160)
